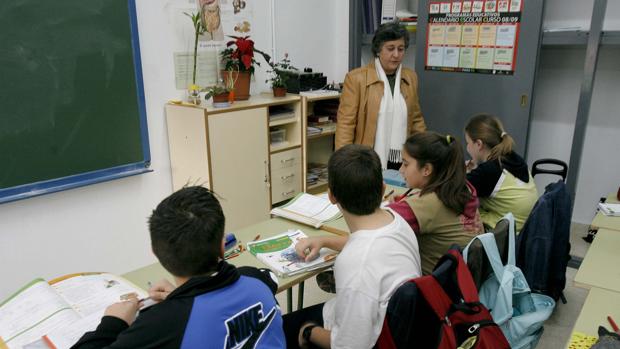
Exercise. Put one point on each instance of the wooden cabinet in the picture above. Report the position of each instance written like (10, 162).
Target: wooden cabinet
(230, 151)
(318, 146)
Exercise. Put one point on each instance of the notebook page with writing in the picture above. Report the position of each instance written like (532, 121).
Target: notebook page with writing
(32, 312)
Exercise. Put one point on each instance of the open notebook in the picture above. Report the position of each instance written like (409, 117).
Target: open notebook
(58, 313)
(278, 253)
(308, 209)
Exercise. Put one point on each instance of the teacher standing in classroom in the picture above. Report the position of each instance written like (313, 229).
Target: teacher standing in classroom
(379, 104)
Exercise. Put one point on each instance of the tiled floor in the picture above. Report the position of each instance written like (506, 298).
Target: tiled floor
(557, 329)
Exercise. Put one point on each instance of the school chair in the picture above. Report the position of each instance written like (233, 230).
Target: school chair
(540, 166)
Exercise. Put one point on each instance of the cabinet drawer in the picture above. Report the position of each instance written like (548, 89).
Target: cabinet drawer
(286, 159)
(285, 183)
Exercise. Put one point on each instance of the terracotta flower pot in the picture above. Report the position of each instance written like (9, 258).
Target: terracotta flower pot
(241, 86)
(221, 98)
(279, 91)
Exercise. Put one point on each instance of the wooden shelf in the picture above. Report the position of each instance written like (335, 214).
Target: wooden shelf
(318, 187)
(321, 135)
(285, 121)
(283, 147)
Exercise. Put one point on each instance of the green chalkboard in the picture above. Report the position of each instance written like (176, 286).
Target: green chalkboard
(71, 98)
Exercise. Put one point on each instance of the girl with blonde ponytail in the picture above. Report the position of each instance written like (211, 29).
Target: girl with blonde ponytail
(500, 175)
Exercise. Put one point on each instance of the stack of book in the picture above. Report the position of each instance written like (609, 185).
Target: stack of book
(279, 254)
(408, 19)
(316, 173)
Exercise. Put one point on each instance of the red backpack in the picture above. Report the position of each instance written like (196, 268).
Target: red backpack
(464, 320)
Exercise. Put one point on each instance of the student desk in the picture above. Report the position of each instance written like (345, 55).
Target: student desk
(601, 266)
(271, 227)
(598, 305)
(601, 221)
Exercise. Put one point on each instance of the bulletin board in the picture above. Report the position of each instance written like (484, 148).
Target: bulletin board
(479, 36)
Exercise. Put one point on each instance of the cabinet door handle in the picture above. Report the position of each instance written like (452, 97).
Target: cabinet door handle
(267, 179)
(287, 177)
(287, 160)
(288, 193)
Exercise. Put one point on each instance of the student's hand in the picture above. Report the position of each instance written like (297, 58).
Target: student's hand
(308, 249)
(469, 165)
(125, 310)
(160, 290)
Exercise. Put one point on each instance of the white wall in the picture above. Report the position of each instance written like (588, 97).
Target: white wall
(556, 97)
(315, 34)
(102, 227)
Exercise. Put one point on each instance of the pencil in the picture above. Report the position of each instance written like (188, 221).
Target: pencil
(405, 194)
(388, 194)
(613, 324)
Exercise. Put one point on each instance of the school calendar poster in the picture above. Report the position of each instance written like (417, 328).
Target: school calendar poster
(473, 36)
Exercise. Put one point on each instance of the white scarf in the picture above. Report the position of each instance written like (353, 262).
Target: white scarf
(391, 121)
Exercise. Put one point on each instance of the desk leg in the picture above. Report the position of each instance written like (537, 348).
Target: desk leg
(289, 300)
(300, 296)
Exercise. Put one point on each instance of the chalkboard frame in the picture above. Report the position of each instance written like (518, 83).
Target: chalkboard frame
(106, 174)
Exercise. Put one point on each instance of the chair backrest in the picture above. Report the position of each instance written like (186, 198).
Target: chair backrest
(477, 261)
(539, 167)
(543, 246)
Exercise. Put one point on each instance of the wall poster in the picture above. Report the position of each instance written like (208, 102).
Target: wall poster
(479, 36)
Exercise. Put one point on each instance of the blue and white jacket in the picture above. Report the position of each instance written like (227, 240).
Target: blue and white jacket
(234, 308)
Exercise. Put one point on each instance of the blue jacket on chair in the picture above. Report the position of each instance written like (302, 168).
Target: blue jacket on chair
(543, 246)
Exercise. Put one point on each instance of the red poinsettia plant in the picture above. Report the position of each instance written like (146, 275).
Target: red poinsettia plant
(239, 54)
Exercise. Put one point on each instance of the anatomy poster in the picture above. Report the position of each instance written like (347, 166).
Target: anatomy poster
(479, 36)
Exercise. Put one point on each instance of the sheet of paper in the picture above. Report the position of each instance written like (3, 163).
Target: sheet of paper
(506, 35)
(435, 56)
(436, 34)
(451, 57)
(32, 313)
(89, 294)
(484, 58)
(515, 6)
(503, 59)
(65, 336)
(453, 35)
(206, 69)
(469, 36)
(466, 7)
(486, 36)
(467, 58)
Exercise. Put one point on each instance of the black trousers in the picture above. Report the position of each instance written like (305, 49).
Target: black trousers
(294, 321)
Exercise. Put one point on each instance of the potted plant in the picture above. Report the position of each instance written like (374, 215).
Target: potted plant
(238, 62)
(220, 95)
(279, 71)
(199, 29)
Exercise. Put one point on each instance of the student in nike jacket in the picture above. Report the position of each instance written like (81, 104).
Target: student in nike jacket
(214, 305)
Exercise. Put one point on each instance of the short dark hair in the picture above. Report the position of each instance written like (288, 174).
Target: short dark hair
(355, 179)
(187, 229)
(388, 32)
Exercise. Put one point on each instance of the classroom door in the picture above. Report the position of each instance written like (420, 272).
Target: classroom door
(449, 95)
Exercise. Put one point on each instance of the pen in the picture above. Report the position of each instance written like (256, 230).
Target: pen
(256, 237)
(388, 194)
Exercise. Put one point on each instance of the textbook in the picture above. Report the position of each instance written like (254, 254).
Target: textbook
(308, 209)
(610, 209)
(278, 253)
(58, 313)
